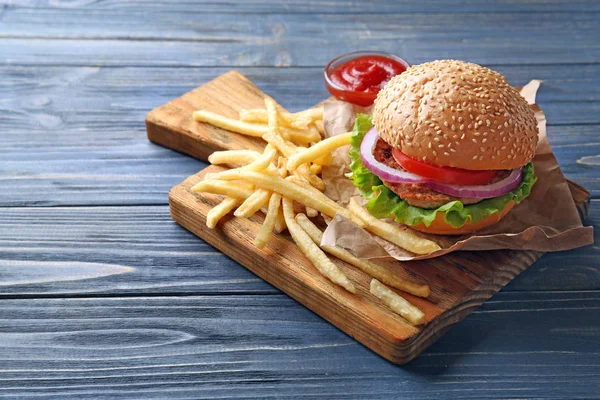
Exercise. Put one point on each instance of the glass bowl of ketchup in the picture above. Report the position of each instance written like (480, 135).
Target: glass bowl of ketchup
(357, 77)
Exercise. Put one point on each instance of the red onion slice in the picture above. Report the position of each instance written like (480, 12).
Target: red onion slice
(393, 175)
(496, 189)
(386, 173)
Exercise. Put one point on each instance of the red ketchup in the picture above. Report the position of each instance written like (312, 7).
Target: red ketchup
(358, 77)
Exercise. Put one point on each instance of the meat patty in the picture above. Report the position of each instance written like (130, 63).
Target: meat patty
(415, 194)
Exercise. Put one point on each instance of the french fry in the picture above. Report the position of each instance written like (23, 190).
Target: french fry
(273, 119)
(311, 178)
(271, 218)
(311, 212)
(220, 210)
(227, 188)
(314, 114)
(299, 122)
(393, 234)
(288, 150)
(320, 149)
(301, 137)
(253, 203)
(312, 251)
(230, 174)
(262, 162)
(281, 163)
(315, 169)
(320, 127)
(324, 161)
(285, 118)
(229, 124)
(280, 225)
(249, 129)
(372, 269)
(309, 197)
(284, 147)
(314, 193)
(397, 303)
(243, 157)
(255, 115)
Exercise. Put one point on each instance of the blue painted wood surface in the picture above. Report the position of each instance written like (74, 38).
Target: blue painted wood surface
(103, 296)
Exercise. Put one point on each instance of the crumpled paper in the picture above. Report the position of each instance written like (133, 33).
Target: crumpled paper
(545, 221)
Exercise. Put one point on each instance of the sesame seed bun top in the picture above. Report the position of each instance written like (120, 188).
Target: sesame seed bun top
(456, 114)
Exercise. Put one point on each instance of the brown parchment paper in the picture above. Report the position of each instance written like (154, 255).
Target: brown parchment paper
(547, 220)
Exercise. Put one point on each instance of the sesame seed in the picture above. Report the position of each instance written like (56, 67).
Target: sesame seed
(484, 140)
(462, 136)
(475, 157)
(474, 140)
(480, 158)
(435, 153)
(437, 139)
(482, 148)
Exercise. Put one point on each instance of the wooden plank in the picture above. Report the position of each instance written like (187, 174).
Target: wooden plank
(77, 251)
(110, 250)
(108, 38)
(315, 6)
(94, 150)
(267, 346)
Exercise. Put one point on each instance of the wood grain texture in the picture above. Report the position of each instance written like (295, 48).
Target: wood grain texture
(314, 6)
(268, 347)
(164, 38)
(130, 250)
(94, 151)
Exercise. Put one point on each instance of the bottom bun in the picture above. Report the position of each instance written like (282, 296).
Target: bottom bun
(441, 227)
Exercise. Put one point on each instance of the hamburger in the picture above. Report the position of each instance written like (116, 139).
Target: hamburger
(448, 149)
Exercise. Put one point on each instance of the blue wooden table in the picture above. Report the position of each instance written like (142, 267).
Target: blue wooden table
(102, 295)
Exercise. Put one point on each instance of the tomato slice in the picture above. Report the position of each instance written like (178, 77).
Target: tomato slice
(457, 176)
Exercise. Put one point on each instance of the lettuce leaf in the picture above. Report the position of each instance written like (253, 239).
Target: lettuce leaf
(384, 203)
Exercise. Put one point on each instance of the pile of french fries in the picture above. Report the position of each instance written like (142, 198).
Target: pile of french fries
(287, 171)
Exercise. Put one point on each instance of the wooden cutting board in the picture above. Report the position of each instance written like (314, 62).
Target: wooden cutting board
(459, 281)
